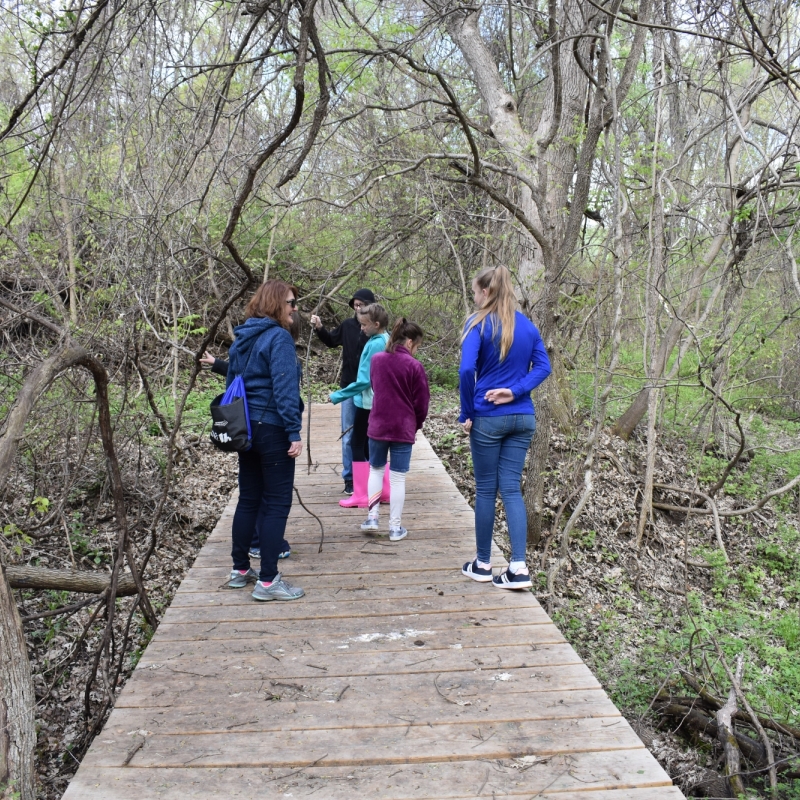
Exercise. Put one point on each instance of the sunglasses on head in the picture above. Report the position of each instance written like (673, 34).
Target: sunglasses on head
(292, 302)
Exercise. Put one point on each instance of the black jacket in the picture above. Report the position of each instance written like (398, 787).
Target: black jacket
(348, 336)
(220, 367)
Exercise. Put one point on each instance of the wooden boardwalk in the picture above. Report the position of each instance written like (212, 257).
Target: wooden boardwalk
(394, 677)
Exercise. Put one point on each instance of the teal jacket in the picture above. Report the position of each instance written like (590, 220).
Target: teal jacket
(361, 388)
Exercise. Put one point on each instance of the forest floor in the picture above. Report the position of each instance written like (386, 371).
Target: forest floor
(637, 616)
(632, 614)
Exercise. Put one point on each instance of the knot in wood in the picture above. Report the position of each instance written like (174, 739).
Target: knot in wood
(509, 106)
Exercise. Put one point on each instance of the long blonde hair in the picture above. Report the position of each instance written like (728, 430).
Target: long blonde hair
(501, 304)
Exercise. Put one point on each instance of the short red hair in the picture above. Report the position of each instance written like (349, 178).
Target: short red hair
(269, 300)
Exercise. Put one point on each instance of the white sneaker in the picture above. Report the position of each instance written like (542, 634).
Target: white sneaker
(370, 524)
(396, 534)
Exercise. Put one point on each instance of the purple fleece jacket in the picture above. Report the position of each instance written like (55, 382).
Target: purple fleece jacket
(401, 399)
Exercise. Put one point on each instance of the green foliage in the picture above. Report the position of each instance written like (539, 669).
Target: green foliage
(444, 376)
(40, 505)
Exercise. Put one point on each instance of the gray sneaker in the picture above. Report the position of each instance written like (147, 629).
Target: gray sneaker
(396, 534)
(239, 580)
(370, 524)
(279, 589)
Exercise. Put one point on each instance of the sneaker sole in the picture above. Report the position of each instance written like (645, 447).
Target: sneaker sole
(479, 578)
(398, 538)
(514, 586)
(266, 599)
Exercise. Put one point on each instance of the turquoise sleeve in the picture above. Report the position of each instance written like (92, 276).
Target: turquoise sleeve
(362, 382)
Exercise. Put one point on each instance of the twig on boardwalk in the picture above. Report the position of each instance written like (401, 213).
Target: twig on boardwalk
(204, 755)
(341, 694)
(133, 751)
(480, 737)
(485, 781)
(239, 724)
(321, 526)
(314, 666)
(296, 772)
(443, 696)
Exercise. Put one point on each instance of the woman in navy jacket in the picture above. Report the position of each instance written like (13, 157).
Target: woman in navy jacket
(263, 353)
(503, 359)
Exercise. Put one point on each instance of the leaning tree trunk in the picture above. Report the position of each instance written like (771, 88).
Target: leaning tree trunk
(546, 163)
(17, 696)
(17, 701)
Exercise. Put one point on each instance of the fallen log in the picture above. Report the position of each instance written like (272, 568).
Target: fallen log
(693, 718)
(68, 580)
(726, 737)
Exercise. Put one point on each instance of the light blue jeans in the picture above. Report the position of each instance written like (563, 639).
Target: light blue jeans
(499, 446)
(400, 452)
(348, 418)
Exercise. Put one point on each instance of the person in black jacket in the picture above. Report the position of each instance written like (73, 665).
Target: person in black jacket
(349, 337)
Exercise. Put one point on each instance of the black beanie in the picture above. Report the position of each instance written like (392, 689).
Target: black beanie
(364, 295)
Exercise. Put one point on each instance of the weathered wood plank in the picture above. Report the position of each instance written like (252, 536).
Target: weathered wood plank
(295, 713)
(179, 688)
(409, 744)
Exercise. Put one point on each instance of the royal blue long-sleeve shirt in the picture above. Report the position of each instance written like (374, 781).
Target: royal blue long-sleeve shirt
(525, 366)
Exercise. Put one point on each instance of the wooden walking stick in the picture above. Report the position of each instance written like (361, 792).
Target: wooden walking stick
(308, 377)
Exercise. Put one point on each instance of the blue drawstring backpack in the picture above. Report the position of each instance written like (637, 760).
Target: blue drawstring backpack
(230, 430)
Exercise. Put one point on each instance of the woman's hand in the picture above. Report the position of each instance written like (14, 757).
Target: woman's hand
(499, 396)
(295, 449)
(467, 426)
(207, 360)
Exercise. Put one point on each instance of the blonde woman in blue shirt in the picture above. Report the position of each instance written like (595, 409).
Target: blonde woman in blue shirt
(373, 320)
(503, 359)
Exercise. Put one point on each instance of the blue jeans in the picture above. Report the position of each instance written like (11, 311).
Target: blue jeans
(348, 417)
(266, 478)
(379, 454)
(498, 446)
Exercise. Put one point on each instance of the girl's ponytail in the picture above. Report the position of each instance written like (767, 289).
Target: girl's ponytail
(402, 330)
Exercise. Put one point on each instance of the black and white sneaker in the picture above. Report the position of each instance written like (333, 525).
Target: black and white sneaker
(509, 580)
(472, 570)
(348, 487)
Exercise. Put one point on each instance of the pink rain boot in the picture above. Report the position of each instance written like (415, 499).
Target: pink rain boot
(385, 492)
(360, 497)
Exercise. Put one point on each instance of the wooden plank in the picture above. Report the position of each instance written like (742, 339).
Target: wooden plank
(349, 747)
(389, 625)
(394, 677)
(587, 776)
(363, 590)
(170, 687)
(295, 713)
(163, 649)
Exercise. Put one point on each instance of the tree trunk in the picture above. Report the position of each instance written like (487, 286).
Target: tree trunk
(17, 701)
(67, 580)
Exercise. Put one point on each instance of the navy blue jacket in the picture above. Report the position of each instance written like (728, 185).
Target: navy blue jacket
(525, 366)
(263, 354)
